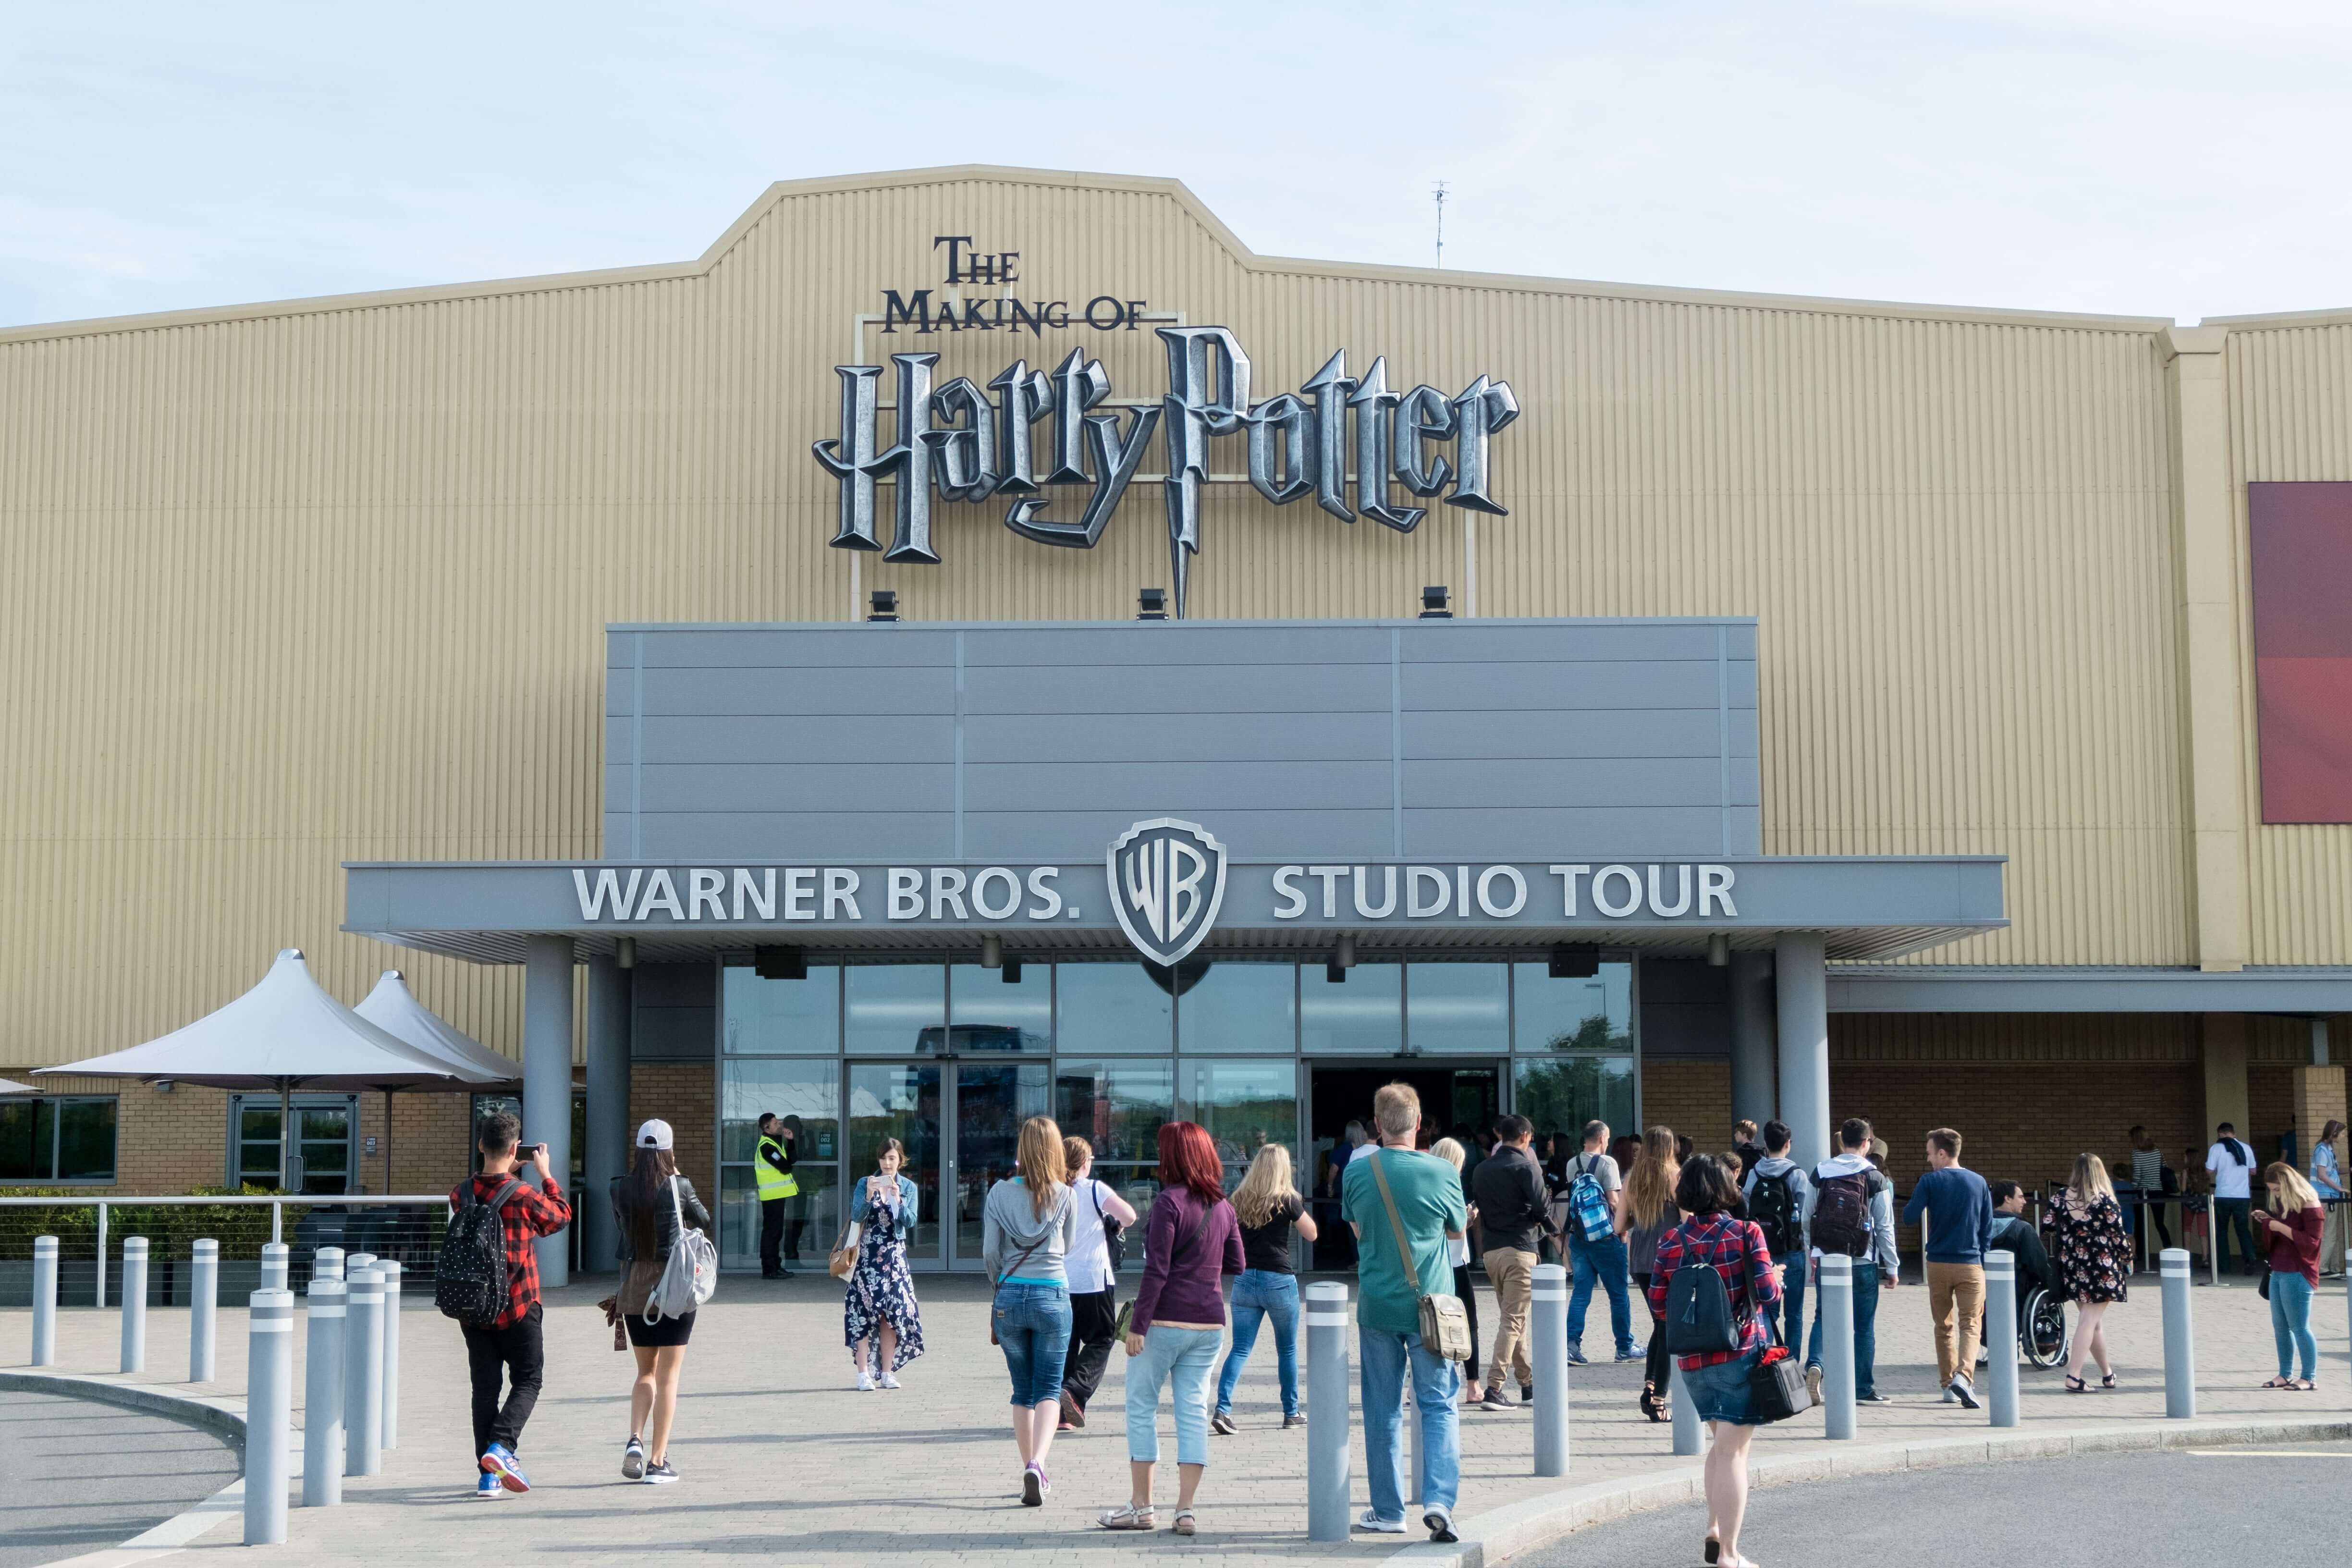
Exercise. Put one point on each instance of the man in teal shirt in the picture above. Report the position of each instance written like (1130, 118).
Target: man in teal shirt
(1428, 1197)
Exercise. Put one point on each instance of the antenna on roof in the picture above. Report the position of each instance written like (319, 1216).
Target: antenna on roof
(1440, 195)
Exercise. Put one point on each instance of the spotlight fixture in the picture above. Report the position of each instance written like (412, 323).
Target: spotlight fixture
(1335, 975)
(1433, 604)
(1011, 971)
(992, 952)
(625, 952)
(1151, 605)
(886, 606)
(1718, 950)
(1575, 961)
(1345, 958)
(779, 962)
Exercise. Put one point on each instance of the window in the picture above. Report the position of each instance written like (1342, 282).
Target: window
(1244, 1105)
(1113, 1009)
(1591, 1014)
(323, 1127)
(990, 1012)
(895, 1009)
(807, 1095)
(1361, 1016)
(782, 1018)
(1458, 1009)
(1561, 1095)
(1240, 1007)
(1118, 1107)
(58, 1139)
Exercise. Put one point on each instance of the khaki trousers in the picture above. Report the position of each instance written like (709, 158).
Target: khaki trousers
(2331, 1240)
(1513, 1275)
(1956, 1289)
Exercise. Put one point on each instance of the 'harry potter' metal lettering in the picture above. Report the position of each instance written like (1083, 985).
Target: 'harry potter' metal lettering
(959, 442)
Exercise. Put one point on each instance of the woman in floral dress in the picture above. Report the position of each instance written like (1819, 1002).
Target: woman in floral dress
(2094, 1260)
(880, 1305)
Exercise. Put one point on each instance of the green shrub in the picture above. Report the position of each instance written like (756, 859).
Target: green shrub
(170, 1228)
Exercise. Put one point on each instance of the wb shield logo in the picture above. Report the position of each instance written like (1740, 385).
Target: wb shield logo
(1166, 878)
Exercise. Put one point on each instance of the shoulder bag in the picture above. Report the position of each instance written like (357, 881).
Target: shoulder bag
(689, 1275)
(1444, 1325)
(842, 1261)
(1113, 1233)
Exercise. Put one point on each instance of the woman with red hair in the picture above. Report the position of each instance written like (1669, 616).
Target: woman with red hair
(1190, 1242)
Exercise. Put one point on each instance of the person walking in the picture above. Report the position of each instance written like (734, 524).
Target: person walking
(2230, 1162)
(1717, 1381)
(878, 1310)
(1192, 1241)
(1958, 1209)
(1778, 1196)
(2328, 1181)
(1269, 1210)
(2094, 1258)
(1508, 1189)
(1403, 1207)
(2292, 1228)
(1596, 1252)
(779, 1188)
(509, 1351)
(1457, 1253)
(1850, 1211)
(1093, 1268)
(649, 1205)
(1028, 1223)
(1647, 1213)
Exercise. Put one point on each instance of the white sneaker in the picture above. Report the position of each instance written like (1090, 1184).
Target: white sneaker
(889, 1380)
(865, 1383)
(1369, 1521)
(1960, 1389)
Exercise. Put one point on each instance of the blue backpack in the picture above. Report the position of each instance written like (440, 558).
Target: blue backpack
(1587, 1205)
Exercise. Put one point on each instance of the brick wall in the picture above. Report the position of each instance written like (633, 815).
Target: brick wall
(1692, 1097)
(685, 1095)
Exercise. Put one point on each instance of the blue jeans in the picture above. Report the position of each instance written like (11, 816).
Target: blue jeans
(1384, 1358)
(1604, 1260)
(1259, 1295)
(1032, 1325)
(1866, 1330)
(1792, 1300)
(2291, 1324)
(1181, 1357)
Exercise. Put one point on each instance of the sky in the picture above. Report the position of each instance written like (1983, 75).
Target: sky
(2171, 157)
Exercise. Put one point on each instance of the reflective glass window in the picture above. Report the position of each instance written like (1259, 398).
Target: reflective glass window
(907, 1102)
(895, 1009)
(989, 1015)
(1235, 1007)
(1362, 1015)
(1458, 1009)
(1118, 1107)
(781, 1017)
(1245, 1105)
(807, 1095)
(1593, 1013)
(1561, 1094)
(1112, 1009)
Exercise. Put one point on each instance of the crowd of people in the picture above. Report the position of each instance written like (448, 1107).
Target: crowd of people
(1641, 1219)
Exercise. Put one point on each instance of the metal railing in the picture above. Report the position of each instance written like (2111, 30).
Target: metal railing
(404, 1226)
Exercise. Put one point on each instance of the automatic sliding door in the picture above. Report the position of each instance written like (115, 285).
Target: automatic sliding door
(888, 1100)
(991, 1101)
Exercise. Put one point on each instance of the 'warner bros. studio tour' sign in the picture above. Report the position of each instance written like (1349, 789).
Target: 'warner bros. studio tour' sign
(1348, 441)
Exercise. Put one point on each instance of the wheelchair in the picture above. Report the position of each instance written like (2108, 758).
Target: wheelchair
(2042, 1331)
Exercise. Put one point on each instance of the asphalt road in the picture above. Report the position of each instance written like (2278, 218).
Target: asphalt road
(2259, 1504)
(84, 1476)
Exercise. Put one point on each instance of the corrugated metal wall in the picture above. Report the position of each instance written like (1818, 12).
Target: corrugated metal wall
(306, 585)
(2291, 418)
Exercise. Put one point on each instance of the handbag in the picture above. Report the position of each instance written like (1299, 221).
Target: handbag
(1775, 1387)
(842, 1261)
(1444, 1325)
(1123, 1323)
(1114, 1235)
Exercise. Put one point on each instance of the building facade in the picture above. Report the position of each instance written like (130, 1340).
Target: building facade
(415, 583)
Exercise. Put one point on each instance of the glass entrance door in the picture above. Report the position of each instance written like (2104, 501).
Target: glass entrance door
(960, 1124)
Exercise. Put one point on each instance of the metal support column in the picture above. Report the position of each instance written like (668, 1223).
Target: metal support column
(609, 992)
(547, 1077)
(1755, 1067)
(1801, 990)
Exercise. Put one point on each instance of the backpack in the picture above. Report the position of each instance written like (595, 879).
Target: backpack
(1698, 1309)
(1773, 1205)
(1587, 1205)
(1842, 1213)
(690, 1274)
(469, 1278)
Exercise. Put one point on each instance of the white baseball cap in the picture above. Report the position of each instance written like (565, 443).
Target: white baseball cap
(653, 1134)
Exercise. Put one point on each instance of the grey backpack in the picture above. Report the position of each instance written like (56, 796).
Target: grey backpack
(690, 1276)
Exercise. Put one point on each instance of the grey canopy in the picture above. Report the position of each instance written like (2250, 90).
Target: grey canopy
(393, 1007)
(10, 1086)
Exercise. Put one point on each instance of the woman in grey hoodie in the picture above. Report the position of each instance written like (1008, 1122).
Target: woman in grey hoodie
(1027, 1226)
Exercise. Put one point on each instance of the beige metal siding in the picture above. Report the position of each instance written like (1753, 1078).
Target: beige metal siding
(2291, 418)
(328, 581)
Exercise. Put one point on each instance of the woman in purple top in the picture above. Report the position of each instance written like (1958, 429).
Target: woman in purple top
(1190, 1242)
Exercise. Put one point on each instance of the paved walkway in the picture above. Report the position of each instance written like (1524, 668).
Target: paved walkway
(83, 1476)
(781, 1460)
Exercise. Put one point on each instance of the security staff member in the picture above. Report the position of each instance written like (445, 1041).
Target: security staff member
(779, 1191)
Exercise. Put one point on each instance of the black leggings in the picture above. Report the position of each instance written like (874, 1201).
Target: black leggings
(1470, 1308)
(1653, 1369)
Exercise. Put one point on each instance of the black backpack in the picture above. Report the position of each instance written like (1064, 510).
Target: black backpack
(1773, 1205)
(469, 1278)
(1114, 1234)
(1842, 1213)
(1698, 1309)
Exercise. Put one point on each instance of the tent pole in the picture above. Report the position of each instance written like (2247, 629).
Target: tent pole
(388, 1188)
(285, 1131)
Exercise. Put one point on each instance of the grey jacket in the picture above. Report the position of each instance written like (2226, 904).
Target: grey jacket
(665, 1219)
(1014, 1240)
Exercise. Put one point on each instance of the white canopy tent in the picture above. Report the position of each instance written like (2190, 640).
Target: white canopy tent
(10, 1086)
(285, 1034)
(393, 1007)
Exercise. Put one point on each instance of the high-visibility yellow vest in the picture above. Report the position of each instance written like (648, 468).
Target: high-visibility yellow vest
(774, 1184)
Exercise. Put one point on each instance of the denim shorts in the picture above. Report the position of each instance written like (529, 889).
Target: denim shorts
(1032, 1325)
(1721, 1393)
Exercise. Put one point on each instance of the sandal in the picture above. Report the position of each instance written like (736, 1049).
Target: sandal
(1183, 1525)
(2076, 1386)
(2280, 1383)
(2304, 1386)
(1651, 1405)
(1714, 1549)
(1127, 1518)
(2108, 1382)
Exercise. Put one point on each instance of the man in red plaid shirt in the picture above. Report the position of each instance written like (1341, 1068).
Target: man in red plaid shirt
(509, 1351)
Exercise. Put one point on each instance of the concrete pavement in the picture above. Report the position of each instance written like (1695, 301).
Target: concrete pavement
(783, 1459)
(84, 1476)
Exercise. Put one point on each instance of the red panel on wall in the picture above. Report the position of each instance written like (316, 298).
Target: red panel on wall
(2301, 543)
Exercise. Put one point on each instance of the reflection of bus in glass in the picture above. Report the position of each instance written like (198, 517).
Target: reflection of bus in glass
(977, 1039)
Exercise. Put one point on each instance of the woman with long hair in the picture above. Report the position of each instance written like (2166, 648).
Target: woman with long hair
(1269, 1208)
(1094, 1281)
(1192, 1241)
(1457, 1252)
(2291, 1224)
(1027, 1226)
(2094, 1258)
(1647, 1213)
(1716, 1383)
(647, 1205)
(880, 1306)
